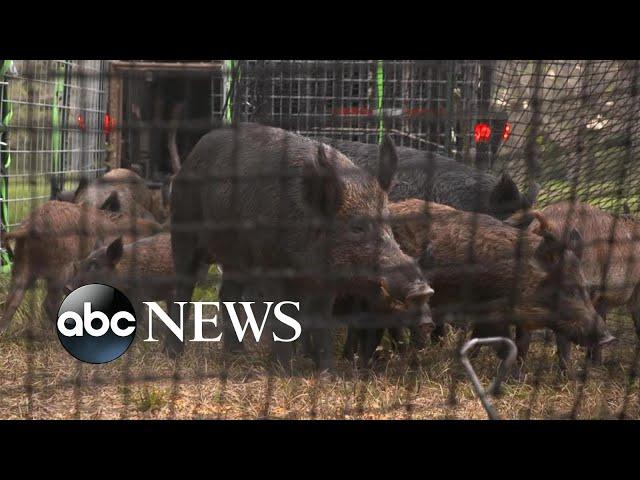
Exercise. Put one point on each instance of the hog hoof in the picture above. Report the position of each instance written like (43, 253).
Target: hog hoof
(566, 374)
(495, 391)
(594, 357)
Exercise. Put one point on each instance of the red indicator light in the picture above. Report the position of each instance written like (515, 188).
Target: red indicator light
(107, 125)
(506, 132)
(482, 132)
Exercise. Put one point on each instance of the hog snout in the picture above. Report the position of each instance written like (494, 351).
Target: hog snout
(419, 294)
(598, 334)
(606, 339)
(602, 334)
(403, 283)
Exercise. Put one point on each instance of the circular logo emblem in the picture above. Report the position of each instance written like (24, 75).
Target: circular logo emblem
(96, 323)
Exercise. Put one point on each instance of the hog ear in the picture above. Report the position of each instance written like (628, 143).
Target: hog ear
(505, 193)
(114, 251)
(112, 203)
(575, 243)
(323, 189)
(549, 252)
(388, 160)
(82, 185)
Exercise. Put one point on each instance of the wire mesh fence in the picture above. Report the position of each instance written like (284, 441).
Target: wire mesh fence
(407, 206)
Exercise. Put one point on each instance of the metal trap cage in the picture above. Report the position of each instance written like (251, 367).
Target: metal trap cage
(565, 129)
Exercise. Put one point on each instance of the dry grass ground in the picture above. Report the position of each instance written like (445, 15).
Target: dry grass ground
(38, 379)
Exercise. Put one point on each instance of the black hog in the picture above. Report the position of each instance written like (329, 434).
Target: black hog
(607, 244)
(53, 236)
(259, 200)
(482, 268)
(435, 178)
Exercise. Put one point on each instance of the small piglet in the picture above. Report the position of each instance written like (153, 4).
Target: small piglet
(483, 268)
(143, 270)
(56, 234)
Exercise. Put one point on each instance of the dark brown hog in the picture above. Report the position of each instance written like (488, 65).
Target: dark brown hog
(480, 267)
(53, 236)
(135, 197)
(607, 244)
(274, 207)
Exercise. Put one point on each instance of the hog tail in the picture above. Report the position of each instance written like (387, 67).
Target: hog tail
(173, 146)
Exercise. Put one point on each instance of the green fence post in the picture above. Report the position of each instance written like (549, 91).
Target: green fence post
(230, 66)
(56, 136)
(5, 162)
(380, 85)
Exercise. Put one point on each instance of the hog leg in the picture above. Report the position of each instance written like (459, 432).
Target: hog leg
(172, 345)
(21, 281)
(282, 352)
(350, 343)
(594, 353)
(418, 338)
(307, 344)
(564, 352)
(438, 333)
(344, 305)
(398, 337)
(636, 320)
(320, 308)
(187, 263)
(369, 338)
(230, 291)
(484, 331)
(523, 340)
(52, 300)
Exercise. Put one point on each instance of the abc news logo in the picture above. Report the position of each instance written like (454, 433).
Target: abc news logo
(97, 323)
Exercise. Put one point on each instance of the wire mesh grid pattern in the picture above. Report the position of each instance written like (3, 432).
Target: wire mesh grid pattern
(57, 112)
(571, 129)
(584, 114)
(349, 99)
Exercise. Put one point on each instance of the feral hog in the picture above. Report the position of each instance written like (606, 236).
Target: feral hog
(483, 268)
(432, 177)
(609, 247)
(143, 270)
(260, 200)
(54, 235)
(135, 197)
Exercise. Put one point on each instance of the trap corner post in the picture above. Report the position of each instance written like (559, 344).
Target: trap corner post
(5, 161)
